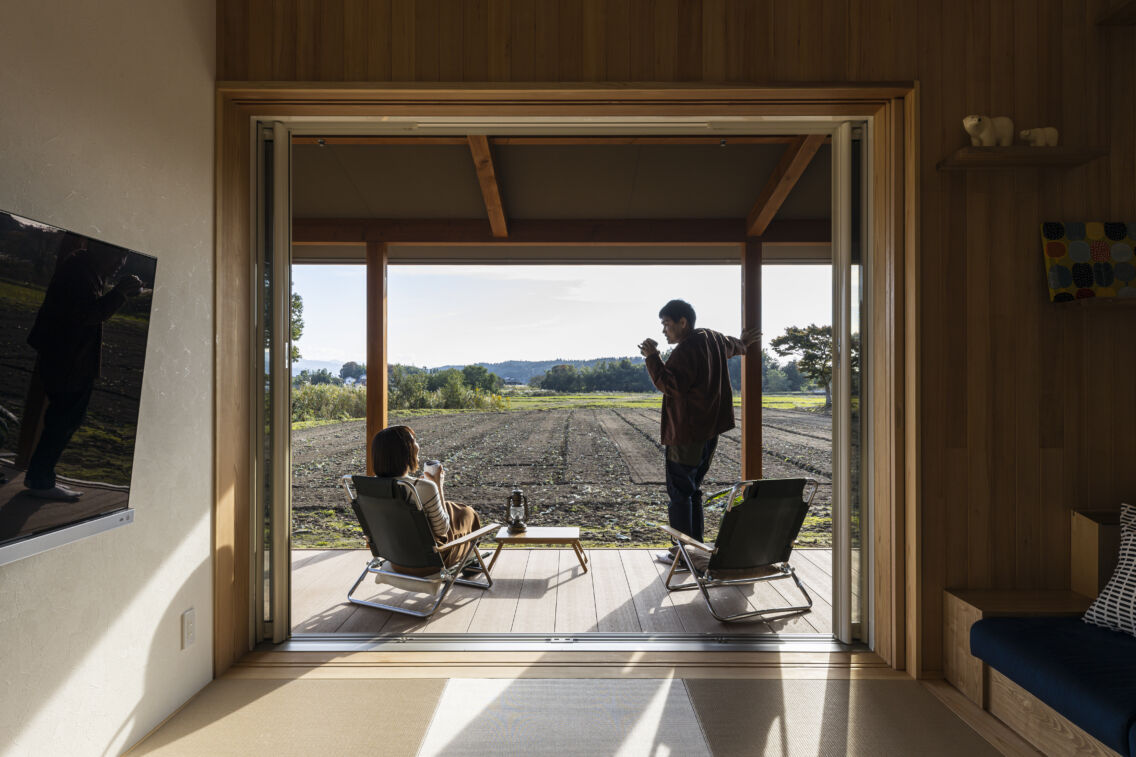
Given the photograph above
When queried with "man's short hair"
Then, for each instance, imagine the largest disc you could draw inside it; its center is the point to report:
(676, 309)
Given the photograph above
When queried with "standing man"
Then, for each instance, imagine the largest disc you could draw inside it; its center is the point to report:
(68, 337)
(698, 405)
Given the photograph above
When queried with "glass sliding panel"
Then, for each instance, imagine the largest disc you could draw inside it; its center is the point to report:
(280, 520)
(841, 381)
(262, 386)
(272, 400)
(856, 481)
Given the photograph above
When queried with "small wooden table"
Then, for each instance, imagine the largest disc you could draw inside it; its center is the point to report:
(542, 535)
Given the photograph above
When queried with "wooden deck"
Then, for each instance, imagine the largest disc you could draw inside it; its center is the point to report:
(545, 591)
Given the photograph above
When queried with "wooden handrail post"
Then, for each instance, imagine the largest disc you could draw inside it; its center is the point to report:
(376, 344)
(751, 363)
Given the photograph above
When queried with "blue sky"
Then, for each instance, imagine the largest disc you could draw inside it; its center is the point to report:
(443, 315)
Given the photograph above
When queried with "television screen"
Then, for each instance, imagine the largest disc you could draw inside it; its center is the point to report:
(74, 318)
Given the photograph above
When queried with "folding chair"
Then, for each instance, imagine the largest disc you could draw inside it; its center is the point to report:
(754, 542)
(398, 532)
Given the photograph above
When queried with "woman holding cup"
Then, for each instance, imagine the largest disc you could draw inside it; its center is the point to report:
(395, 453)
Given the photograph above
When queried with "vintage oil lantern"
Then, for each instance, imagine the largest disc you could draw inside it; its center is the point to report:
(518, 511)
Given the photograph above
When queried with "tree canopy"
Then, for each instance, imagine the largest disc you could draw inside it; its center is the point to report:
(297, 329)
(352, 370)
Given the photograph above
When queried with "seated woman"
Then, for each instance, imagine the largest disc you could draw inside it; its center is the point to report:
(395, 452)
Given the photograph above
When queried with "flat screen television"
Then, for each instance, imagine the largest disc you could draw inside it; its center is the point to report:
(74, 320)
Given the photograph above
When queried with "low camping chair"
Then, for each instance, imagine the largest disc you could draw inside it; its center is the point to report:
(754, 542)
(398, 532)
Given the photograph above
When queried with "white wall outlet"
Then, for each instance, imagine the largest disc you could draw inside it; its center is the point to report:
(188, 628)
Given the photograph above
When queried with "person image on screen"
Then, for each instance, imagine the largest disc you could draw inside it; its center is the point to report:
(67, 336)
(698, 405)
(395, 454)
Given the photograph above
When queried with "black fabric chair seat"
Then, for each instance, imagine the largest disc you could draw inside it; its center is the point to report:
(398, 533)
(754, 543)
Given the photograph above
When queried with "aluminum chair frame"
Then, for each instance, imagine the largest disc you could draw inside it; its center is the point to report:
(703, 581)
(444, 580)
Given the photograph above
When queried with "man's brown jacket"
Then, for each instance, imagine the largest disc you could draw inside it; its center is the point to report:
(698, 402)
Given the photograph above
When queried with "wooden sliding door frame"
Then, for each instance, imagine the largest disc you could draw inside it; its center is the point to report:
(893, 470)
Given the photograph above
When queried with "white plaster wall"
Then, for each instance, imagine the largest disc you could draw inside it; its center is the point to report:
(106, 128)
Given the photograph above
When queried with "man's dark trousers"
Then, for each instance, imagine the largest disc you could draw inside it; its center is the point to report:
(64, 415)
(684, 486)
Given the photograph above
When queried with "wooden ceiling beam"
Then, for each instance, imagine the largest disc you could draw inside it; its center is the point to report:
(789, 170)
(575, 141)
(377, 140)
(722, 141)
(487, 178)
(645, 231)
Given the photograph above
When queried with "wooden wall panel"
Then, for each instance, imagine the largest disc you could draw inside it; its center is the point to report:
(1021, 407)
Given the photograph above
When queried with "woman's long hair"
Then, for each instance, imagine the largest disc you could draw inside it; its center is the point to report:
(393, 451)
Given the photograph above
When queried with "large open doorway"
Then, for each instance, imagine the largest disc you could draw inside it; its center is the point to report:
(883, 107)
(703, 181)
(579, 434)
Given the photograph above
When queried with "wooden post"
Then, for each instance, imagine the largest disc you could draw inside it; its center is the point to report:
(751, 363)
(376, 344)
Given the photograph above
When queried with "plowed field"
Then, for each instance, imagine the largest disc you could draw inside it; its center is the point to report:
(597, 468)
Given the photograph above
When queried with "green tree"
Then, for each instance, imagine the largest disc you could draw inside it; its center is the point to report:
(454, 392)
(324, 376)
(562, 378)
(439, 379)
(297, 324)
(774, 381)
(352, 370)
(795, 382)
(479, 377)
(813, 347)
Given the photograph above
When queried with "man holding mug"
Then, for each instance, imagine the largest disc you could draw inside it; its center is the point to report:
(698, 405)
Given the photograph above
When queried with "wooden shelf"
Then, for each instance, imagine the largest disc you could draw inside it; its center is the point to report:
(1018, 156)
(1121, 14)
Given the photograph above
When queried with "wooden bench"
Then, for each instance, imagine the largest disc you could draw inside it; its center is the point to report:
(1094, 544)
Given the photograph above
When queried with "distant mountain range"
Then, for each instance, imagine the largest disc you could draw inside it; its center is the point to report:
(332, 366)
(518, 370)
(523, 370)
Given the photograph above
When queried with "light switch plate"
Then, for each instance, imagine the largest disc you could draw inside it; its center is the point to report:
(188, 628)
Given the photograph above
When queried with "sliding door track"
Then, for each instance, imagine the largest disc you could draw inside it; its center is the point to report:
(580, 642)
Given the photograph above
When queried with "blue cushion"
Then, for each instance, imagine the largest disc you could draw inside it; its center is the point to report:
(1086, 673)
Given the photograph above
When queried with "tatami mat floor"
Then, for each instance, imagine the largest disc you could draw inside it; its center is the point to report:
(238, 715)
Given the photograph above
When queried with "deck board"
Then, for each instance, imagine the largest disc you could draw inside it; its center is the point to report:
(575, 597)
(496, 610)
(536, 609)
(615, 608)
(545, 591)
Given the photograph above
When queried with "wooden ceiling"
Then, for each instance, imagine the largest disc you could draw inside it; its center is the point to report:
(555, 191)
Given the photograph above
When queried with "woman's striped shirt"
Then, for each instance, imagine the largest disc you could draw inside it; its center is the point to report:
(432, 505)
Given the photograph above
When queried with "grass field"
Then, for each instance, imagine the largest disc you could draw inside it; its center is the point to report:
(523, 399)
(530, 400)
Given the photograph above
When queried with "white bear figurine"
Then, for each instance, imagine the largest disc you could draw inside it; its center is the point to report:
(985, 131)
(1042, 136)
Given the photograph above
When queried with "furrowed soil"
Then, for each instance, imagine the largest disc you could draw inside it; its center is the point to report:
(597, 468)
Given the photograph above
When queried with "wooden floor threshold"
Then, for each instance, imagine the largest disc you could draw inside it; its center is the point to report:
(997, 733)
(459, 664)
